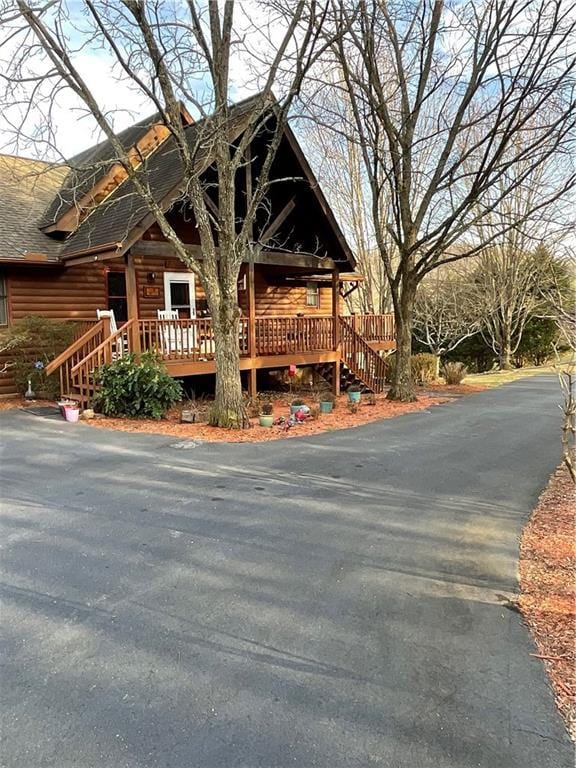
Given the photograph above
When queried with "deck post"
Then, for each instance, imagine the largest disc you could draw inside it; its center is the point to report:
(252, 390)
(132, 300)
(336, 323)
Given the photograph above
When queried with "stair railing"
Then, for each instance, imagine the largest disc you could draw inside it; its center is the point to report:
(72, 355)
(361, 359)
(112, 348)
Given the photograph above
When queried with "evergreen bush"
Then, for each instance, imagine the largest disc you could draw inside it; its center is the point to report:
(138, 388)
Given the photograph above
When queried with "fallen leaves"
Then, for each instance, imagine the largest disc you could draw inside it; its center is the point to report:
(340, 418)
(548, 584)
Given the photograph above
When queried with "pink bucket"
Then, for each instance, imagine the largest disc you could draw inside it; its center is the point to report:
(71, 414)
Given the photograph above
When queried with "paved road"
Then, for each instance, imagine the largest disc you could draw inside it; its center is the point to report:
(336, 601)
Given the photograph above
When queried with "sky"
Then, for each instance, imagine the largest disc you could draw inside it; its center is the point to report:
(74, 129)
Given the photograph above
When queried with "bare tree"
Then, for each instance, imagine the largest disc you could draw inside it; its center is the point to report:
(166, 52)
(338, 162)
(443, 314)
(561, 301)
(445, 104)
(506, 292)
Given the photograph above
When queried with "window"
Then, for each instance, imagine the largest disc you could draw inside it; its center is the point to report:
(117, 301)
(3, 301)
(312, 294)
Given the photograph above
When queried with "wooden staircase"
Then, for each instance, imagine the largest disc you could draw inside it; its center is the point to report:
(77, 364)
(360, 365)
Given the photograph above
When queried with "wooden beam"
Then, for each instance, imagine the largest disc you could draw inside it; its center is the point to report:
(164, 250)
(191, 368)
(132, 301)
(211, 205)
(251, 310)
(248, 171)
(336, 307)
(276, 223)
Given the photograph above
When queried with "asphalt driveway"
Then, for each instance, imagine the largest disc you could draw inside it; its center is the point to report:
(337, 601)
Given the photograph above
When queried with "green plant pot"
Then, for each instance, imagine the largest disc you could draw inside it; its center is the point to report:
(326, 406)
(295, 408)
(354, 397)
(266, 421)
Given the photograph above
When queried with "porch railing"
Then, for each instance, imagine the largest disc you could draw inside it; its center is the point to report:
(89, 336)
(112, 348)
(288, 335)
(373, 327)
(191, 339)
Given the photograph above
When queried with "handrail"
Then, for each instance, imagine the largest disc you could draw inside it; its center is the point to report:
(361, 359)
(108, 343)
(81, 341)
(113, 347)
(373, 327)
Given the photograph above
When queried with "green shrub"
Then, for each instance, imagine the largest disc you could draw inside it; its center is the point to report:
(454, 373)
(33, 342)
(537, 344)
(140, 389)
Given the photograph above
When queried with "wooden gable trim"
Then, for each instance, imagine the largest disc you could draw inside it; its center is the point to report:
(162, 249)
(167, 201)
(156, 135)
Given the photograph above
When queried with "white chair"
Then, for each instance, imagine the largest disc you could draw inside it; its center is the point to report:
(103, 314)
(177, 338)
(121, 345)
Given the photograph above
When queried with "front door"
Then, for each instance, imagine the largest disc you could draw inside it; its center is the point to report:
(180, 294)
(116, 290)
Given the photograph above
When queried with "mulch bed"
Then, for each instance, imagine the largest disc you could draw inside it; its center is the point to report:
(548, 585)
(340, 418)
(8, 403)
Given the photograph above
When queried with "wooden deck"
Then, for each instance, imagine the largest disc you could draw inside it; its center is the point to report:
(187, 346)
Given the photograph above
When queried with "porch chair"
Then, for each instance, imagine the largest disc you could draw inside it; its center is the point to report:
(175, 338)
(121, 345)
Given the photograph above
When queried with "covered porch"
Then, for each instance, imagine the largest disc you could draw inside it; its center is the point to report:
(165, 312)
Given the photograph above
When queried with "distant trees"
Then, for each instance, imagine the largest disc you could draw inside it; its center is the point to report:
(444, 107)
(508, 290)
(443, 315)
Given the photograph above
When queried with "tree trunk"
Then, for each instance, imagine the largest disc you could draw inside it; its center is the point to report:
(402, 385)
(505, 352)
(437, 366)
(228, 410)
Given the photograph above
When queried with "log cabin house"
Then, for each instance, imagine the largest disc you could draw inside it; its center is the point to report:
(75, 240)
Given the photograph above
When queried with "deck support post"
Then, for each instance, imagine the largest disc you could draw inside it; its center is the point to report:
(132, 300)
(336, 322)
(252, 390)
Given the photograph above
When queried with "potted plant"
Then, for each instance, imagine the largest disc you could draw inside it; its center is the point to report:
(296, 405)
(266, 419)
(354, 393)
(326, 402)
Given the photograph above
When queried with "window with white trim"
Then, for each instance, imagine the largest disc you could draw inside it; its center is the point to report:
(3, 301)
(312, 294)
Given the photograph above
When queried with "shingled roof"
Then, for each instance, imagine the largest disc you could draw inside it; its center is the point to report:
(38, 193)
(114, 218)
(27, 187)
(89, 166)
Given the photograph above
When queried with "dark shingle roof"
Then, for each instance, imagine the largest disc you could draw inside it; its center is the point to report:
(26, 188)
(89, 166)
(116, 216)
